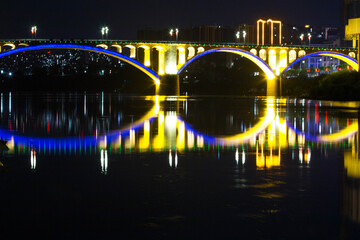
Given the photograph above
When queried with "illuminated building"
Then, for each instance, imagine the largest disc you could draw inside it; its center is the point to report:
(269, 32)
(350, 22)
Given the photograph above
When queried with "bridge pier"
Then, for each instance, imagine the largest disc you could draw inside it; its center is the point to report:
(169, 85)
(272, 87)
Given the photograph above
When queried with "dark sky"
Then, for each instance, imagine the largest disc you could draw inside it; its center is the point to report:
(83, 19)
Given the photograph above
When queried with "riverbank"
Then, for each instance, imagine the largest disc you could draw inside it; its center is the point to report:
(339, 86)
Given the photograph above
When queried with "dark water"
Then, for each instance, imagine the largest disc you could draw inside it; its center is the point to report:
(106, 165)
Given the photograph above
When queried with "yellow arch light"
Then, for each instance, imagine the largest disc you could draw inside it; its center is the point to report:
(154, 78)
(102, 46)
(255, 130)
(263, 66)
(352, 62)
(341, 135)
(118, 47)
(344, 58)
(10, 45)
(132, 50)
(153, 112)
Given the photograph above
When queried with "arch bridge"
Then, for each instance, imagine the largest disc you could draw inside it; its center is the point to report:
(164, 61)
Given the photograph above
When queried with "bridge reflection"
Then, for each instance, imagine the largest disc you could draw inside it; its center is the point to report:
(266, 136)
(164, 130)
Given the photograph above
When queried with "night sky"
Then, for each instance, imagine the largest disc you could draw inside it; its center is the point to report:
(83, 19)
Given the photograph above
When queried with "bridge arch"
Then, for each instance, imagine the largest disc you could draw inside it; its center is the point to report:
(267, 70)
(292, 56)
(132, 50)
(349, 60)
(200, 50)
(352, 54)
(158, 56)
(301, 53)
(262, 54)
(118, 47)
(191, 52)
(253, 51)
(10, 45)
(146, 54)
(181, 55)
(132, 62)
(104, 46)
(23, 45)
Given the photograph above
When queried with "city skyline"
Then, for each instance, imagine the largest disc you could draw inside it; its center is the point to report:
(80, 20)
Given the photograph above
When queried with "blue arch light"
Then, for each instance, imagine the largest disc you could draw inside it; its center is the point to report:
(131, 61)
(258, 61)
(349, 60)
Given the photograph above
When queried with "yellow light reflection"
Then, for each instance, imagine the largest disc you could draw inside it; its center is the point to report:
(144, 142)
(352, 164)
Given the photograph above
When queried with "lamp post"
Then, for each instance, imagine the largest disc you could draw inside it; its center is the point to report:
(104, 32)
(33, 31)
(244, 35)
(302, 38)
(309, 37)
(238, 36)
(171, 33)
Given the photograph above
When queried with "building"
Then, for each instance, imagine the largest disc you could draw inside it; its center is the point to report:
(350, 22)
(269, 32)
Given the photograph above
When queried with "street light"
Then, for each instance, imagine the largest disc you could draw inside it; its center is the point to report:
(244, 35)
(238, 36)
(33, 31)
(104, 32)
(309, 37)
(177, 34)
(302, 38)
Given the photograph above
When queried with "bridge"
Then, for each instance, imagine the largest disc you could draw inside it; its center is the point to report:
(164, 61)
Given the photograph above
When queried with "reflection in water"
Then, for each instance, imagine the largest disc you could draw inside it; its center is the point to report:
(104, 161)
(264, 133)
(351, 195)
(33, 159)
(173, 162)
(2, 104)
(160, 129)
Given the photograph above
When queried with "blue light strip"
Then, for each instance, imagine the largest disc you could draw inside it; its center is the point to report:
(53, 142)
(223, 50)
(131, 61)
(319, 54)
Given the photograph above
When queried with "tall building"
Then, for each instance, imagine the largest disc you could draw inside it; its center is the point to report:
(269, 32)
